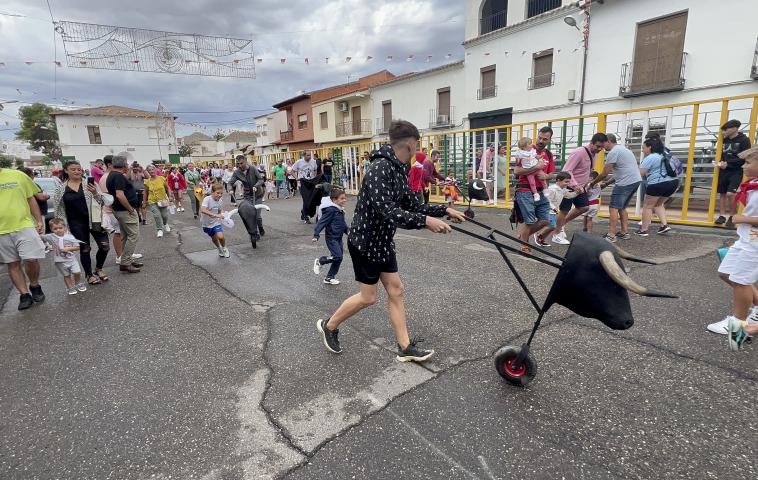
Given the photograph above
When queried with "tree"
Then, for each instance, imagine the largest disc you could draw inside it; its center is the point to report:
(218, 136)
(6, 162)
(186, 150)
(19, 163)
(38, 128)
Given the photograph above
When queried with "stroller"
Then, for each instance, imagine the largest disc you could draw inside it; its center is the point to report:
(589, 261)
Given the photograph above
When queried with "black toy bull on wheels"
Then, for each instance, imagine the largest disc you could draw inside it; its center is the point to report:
(591, 265)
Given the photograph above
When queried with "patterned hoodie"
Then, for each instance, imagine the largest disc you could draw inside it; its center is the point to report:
(386, 202)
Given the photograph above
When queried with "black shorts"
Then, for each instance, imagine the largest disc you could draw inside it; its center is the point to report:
(663, 189)
(729, 181)
(580, 201)
(367, 271)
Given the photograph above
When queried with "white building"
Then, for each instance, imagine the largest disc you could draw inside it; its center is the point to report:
(433, 100)
(18, 149)
(90, 133)
(267, 128)
(524, 61)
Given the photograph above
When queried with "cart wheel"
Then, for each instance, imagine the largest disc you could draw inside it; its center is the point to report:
(469, 213)
(504, 359)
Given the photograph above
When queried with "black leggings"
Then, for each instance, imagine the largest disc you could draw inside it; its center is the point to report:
(82, 232)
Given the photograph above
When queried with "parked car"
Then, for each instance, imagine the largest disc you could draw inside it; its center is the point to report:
(48, 185)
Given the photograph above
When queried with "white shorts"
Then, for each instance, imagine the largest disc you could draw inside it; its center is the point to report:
(69, 267)
(741, 264)
(592, 212)
(110, 223)
(22, 245)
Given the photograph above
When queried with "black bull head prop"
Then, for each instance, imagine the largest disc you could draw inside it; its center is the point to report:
(591, 279)
(592, 282)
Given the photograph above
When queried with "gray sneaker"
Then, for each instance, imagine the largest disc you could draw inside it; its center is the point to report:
(73, 291)
(624, 236)
(81, 287)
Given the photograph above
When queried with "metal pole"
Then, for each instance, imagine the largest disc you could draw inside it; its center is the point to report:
(586, 41)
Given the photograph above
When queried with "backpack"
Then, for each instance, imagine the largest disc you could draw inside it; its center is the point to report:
(674, 166)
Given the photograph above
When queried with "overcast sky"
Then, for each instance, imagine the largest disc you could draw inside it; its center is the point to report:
(281, 29)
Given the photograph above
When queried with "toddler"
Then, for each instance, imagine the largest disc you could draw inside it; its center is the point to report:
(526, 156)
(593, 194)
(452, 189)
(64, 245)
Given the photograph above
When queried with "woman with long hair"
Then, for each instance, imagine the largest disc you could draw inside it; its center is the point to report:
(662, 182)
(79, 203)
(157, 200)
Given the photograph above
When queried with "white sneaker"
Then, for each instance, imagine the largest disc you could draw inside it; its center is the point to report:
(722, 327)
(167, 228)
(316, 267)
(159, 233)
(118, 260)
(491, 202)
(136, 256)
(331, 281)
(220, 252)
(226, 252)
(560, 240)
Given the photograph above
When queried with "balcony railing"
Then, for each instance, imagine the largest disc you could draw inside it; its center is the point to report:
(381, 127)
(541, 81)
(439, 118)
(286, 136)
(492, 22)
(538, 7)
(754, 70)
(355, 127)
(486, 92)
(658, 75)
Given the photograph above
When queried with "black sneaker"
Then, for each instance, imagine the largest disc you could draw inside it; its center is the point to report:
(25, 301)
(331, 342)
(261, 231)
(664, 229)
(412, 353)
(720, 220)
(37, 294)
(729, 223)
(624, 236)
(308, 220)
(641, 233)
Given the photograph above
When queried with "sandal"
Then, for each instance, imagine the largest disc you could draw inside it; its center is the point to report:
(101, 275)
(94, 280)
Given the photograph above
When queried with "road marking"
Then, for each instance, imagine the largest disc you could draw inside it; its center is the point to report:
(486, 467)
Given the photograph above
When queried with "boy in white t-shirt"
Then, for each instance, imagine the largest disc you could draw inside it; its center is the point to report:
(740, 266)
(212, 212)
(555, 194)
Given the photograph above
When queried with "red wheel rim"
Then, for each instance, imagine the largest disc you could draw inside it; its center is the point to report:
(511, 370)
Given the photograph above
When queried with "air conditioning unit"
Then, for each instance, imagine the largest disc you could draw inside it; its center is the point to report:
(342, 106)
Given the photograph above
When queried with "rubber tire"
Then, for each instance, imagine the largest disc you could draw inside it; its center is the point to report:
(510, 353)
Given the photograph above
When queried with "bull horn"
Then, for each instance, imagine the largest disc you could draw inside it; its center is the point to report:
(614, 270)
(633, 258)
(260, 206)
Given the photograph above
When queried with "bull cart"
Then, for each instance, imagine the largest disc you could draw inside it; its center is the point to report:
(591, 266)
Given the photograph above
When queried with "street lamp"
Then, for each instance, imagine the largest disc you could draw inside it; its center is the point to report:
(571, 22)
(5, 103)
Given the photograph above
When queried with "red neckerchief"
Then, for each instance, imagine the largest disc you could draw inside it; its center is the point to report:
(745, 188)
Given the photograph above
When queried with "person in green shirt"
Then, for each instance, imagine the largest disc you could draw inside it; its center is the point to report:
(280, 176)
(192, 176)
(21, 224)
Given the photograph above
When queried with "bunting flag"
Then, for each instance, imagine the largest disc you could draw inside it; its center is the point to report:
(389, 58)
(369, 58)
(282, 60)
(347, 60)
(428, 58)
(260, 60)
(448, 55)
(28, 63)
(58, 63)
(410, 57)
(307, 62)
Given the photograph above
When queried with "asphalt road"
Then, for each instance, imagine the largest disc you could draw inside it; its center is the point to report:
(209, 368)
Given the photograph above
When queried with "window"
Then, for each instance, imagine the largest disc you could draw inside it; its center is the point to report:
(488, 88)
(323, 120)
(386, 115)
(542, 69)
(302, 121)
(537, 7)
(494, 16)
(94, 135)
(659, 55)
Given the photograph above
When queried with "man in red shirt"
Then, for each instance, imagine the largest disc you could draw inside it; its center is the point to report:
(536, 214)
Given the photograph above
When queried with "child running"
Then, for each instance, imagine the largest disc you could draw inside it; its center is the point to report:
(452, 190)
(593, 193)
(527, 154)
(740, 266)
(555, 194)
(64, 245)
(212, 210)
(332, 222)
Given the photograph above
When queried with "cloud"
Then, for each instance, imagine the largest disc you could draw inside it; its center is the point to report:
(294, 30)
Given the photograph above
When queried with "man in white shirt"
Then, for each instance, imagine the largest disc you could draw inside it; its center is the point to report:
(305, 170)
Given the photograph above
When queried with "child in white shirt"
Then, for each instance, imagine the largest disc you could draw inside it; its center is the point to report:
(526, 156)
(555, 194)
(64, 245)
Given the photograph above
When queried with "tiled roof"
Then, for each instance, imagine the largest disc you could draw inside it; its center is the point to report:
(109, 111)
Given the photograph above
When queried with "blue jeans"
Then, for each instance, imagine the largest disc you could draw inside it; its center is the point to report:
(532, 211)
(622, 194)
(281, 185)
(334, 244)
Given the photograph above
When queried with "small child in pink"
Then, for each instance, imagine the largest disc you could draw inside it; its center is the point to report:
(526, 156)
